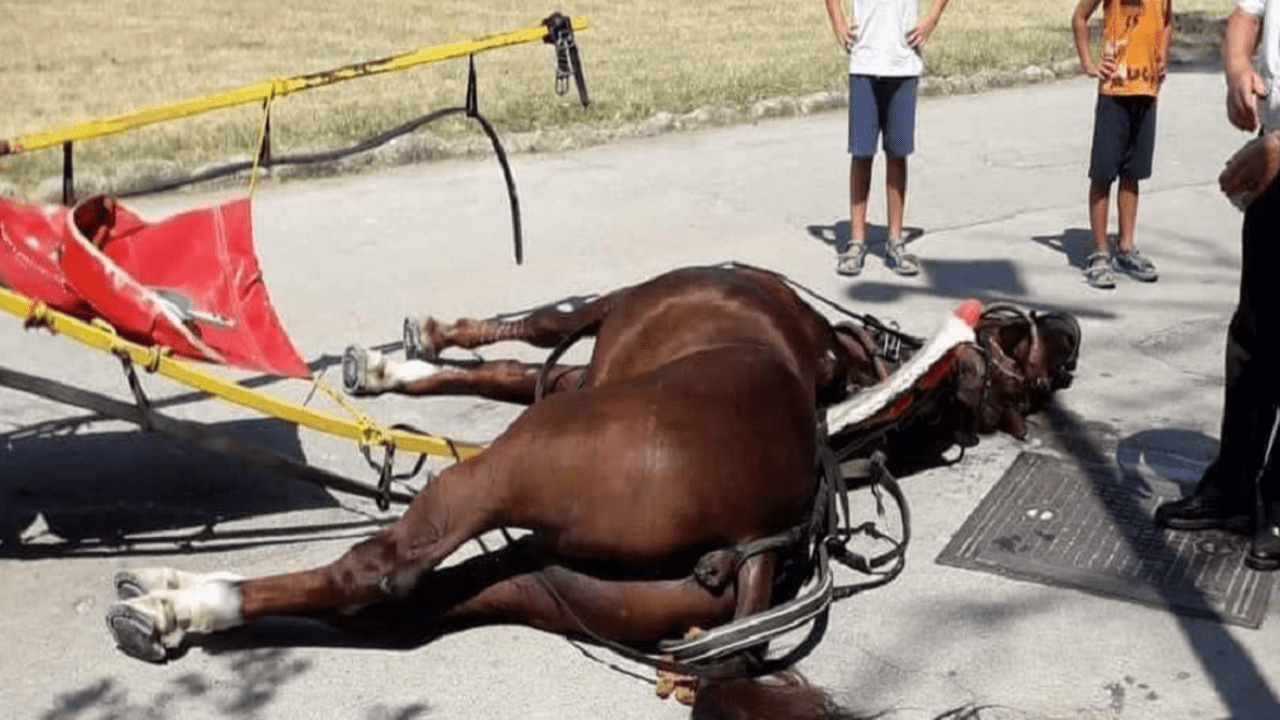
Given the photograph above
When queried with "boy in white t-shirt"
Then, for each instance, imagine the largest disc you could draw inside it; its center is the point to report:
(884, 65)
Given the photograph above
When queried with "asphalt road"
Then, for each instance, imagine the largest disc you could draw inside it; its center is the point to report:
(998, 188)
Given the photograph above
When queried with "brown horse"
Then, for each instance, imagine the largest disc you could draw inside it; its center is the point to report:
(694, 431)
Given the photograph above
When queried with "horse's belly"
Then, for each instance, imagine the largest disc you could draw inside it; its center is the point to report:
(713, 452)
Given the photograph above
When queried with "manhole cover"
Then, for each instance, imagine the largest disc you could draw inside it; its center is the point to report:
(1051, 521)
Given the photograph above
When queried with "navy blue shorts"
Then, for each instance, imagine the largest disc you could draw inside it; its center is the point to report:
(882, 104)
(1124, 138)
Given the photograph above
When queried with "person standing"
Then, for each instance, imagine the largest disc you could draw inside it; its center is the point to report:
(1135, 54)
(884, 45)
(1240, 490)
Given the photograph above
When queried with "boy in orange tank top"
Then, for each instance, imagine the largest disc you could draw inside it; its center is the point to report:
(1135, 55)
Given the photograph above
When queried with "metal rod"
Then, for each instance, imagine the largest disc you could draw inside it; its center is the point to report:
(68, 176)
(193, 433)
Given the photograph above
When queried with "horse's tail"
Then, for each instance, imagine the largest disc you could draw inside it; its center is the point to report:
(785, 696)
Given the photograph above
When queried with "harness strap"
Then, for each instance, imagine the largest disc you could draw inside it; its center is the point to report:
(723, 652)
(540, 388)
(896, 555)
(830, 543)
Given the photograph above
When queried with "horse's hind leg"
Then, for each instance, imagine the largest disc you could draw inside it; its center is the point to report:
(509, 586)
(547, 327)
(369, 372)
(454, 508)
(519, 585)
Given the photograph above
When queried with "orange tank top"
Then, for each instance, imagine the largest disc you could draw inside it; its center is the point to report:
(1137, 28)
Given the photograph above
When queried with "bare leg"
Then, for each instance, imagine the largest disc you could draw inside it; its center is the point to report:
(859, 190)
(895, 186)
(1126, 212)
(1099, 200)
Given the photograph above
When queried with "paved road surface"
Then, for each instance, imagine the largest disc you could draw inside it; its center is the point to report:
(998, 186)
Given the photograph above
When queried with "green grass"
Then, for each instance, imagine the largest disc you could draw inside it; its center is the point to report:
(73, 60)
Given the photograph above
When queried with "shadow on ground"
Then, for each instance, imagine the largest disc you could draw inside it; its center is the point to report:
(248, 684)
(1075, 243)
(62, 490)
(837, 236)
(1238, 680)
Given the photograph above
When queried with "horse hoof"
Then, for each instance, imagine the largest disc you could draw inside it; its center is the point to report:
(129, 585)
(355, 370)
(418, 343)
(135, 633)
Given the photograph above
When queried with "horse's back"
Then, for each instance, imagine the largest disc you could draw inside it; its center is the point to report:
(691, 310)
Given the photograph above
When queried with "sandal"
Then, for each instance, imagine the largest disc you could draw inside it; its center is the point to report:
(1137, 265)
(899, 260)
(850, 261)
(1097, 271)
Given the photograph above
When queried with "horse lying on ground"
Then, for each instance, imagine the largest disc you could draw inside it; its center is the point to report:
(697, 427)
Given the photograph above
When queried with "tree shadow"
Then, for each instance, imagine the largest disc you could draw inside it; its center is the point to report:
(246, 686)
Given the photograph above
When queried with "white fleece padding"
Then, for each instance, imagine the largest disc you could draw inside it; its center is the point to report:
(958, 329)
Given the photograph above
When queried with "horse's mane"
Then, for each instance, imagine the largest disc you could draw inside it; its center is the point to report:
(785, 696)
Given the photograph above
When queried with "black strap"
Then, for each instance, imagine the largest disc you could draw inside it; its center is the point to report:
(539, 388)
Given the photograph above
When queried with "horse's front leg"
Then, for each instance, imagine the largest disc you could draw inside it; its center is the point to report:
(755, 585)
(369, 372)
(157, 608)
(425, 337)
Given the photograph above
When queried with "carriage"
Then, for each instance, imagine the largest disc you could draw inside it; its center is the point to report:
(684, 493)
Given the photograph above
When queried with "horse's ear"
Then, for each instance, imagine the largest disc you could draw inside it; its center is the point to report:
(1060, 337)
(865, 368)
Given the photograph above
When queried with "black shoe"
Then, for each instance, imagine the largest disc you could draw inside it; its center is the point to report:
(1196, 512)
(1264, 551)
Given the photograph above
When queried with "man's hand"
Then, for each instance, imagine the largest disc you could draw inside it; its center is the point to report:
(1243, 91)
(1250, 171)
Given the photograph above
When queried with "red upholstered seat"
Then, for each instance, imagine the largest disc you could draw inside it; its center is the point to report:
(190, 281)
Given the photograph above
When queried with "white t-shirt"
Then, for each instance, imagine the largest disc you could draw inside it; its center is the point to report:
(881, 47)
(1267, 61)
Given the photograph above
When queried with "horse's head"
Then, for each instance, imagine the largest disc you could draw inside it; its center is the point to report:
(1018, 361)
(984, 372)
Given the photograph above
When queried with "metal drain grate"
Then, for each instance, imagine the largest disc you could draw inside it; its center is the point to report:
(1051, 521)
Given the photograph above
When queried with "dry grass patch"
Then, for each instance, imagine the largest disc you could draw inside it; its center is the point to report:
(72, 60)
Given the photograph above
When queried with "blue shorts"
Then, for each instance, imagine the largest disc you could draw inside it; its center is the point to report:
(1124, 138)
(882, 104)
